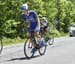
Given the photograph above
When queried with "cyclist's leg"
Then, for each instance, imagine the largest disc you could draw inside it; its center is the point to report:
(37, 36)
(41, 43)
(46, 28)
(41, 39)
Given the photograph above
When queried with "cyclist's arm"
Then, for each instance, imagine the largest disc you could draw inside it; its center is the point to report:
(24, 19)
(37, 18)
(25, 24)
(38, 22)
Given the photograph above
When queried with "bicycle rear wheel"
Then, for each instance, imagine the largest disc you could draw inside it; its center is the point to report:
(51, 39)
(42, 48)
(28, 46)
(1, 45)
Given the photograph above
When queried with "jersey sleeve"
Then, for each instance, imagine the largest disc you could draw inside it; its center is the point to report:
(34, 13)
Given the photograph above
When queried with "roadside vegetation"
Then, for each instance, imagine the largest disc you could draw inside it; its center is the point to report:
(11, 22)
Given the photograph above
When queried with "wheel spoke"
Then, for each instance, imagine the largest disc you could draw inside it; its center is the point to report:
(28, 47)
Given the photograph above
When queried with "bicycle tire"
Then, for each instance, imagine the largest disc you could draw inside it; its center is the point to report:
(44, 50)
(26, 45)
(51, 39)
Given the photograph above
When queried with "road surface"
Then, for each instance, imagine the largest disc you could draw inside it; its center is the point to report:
(61, 52)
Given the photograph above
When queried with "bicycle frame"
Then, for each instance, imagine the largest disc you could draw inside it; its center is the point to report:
(31, 36)
(32, 44)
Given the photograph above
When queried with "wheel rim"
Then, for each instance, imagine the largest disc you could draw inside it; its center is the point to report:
(42, 47)
(51, 40)
(42, 50)
(28, 49)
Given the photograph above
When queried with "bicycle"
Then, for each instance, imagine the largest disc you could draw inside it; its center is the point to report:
(1, 44)
(31, 43)
(49, 36)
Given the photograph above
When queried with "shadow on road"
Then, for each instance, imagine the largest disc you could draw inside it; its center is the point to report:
(23, 58)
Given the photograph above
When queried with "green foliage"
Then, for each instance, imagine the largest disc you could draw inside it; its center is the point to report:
(11, 22)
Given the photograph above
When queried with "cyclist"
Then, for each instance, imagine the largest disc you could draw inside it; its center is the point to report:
(32, 17)
(44, 24)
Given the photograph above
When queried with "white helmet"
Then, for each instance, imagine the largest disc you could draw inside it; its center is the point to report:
(44, 18)
(44, 21)
(24, 7)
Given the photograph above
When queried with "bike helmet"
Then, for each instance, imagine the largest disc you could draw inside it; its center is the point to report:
(44, 21)
(24, 7)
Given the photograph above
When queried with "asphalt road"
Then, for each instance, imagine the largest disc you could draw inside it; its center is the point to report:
(61, 52)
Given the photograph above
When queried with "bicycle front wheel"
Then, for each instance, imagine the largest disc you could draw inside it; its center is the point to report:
(28, 46)
(1, 45)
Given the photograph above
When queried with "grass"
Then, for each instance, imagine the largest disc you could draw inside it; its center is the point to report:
(8, 41)
(61, 35)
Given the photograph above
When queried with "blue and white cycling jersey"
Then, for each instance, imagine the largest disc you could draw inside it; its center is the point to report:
(32, 18)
